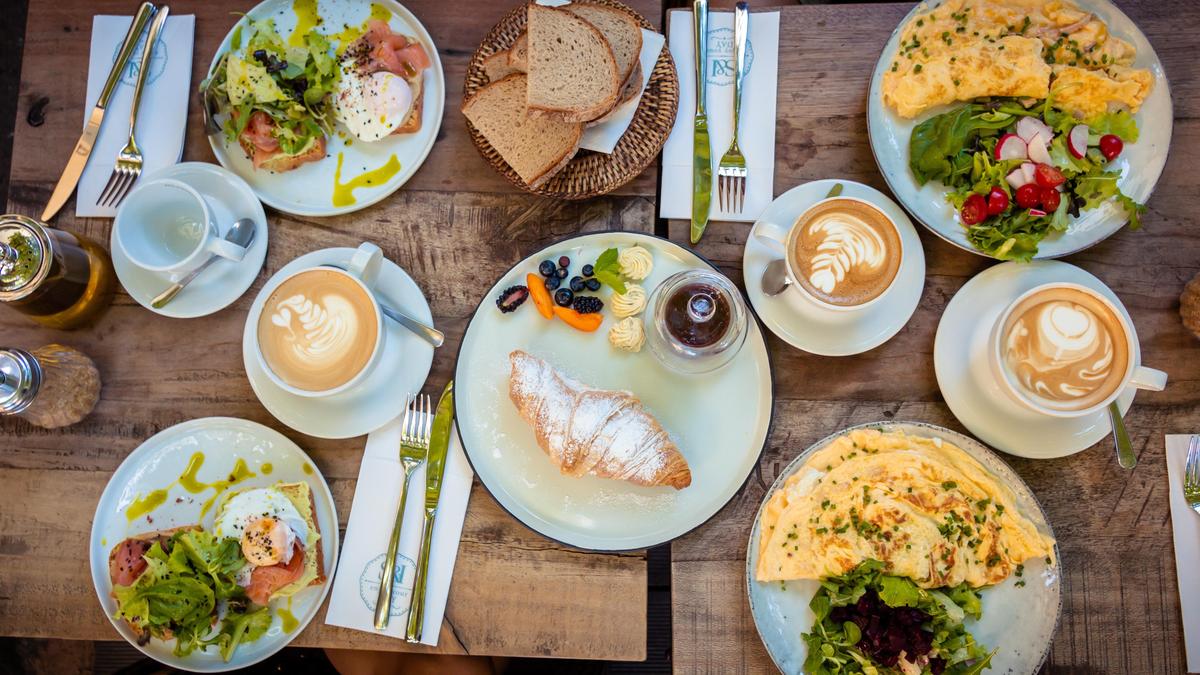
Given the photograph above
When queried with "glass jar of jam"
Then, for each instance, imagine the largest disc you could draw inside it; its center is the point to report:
(56, 278)
(52, 386)
(699, 321)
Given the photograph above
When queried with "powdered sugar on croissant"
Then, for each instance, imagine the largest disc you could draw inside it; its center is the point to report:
(593, 431)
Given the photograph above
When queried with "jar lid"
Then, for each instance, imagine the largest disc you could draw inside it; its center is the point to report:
(20, 379)
(24, 255)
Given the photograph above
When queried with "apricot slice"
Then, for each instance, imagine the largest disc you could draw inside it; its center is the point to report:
(541, 296)
(584, 322)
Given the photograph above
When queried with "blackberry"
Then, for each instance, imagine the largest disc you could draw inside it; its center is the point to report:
(511, 298)
(588, 304)
(552, 283)
(593, 284)
(546, 268)
(563, 297)
(577, 284)
(588, 270)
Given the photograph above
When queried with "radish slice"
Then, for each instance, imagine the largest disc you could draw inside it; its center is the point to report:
(1029, 169)
(1010, 146)
(1077, 141)
(1028, 127)
(1016, 178)
(1038, 151)
(1037, 213)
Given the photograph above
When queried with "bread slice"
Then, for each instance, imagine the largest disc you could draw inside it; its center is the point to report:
(618, 27)
(630, 90)
(518, 55)
(278, 160)
(496, 66)
(572, 70)
(535, 147)
(412, 121)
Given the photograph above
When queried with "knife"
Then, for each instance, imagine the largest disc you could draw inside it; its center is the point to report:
(83, 148)
(701, 152)
(435, 467)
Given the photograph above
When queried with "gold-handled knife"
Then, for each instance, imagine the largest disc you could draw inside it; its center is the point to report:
(435, 468)
(701, 152)
(83, 148)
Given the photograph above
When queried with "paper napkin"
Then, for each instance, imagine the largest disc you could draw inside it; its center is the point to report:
(757, 133)
(604, 137)
(1186, 524)
(372, 514)
(162, 116)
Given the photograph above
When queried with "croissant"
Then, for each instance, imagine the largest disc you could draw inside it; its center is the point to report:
(593, 431)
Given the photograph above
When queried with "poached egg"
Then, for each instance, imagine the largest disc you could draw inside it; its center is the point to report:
(372, 106)
(266, 523)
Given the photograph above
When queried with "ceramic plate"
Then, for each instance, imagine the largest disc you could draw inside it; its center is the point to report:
(965, 377)
(308, 190)
(1140, 164)
(379, 398)
(1018, 622)
(157, 464)
(719, 420)
(225, 281)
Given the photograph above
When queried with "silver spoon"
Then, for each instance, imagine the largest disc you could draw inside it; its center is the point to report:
(775, 278)
(242, 233)
(1125, 456)
(429, 334)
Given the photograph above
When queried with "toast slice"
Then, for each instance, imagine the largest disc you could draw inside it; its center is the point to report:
(571, 66)
(298, 493)
(280, 161)
(412, 122)
(119, 572)
(535, 147)
(621, 30)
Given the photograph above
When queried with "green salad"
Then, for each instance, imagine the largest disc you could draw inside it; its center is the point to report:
(178, 595)
(1017, 173)
(873, 623)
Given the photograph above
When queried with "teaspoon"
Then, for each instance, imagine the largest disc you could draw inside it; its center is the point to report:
(775, 278)
(429, 334)
(1125, 456)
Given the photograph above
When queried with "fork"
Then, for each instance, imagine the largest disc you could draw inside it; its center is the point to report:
(415, 430)
(129, 161)
(731, 172)
(1191, 474)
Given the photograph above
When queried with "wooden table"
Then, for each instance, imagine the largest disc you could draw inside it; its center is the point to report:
(455, 228)
(1121, 606)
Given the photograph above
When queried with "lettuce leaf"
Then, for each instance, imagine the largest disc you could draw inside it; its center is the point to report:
(941, 147)
(1119, 123)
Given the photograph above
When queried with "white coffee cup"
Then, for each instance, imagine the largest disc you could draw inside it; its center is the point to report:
(363, 270)
(781, 239)
(1135, 375)
(166, 226)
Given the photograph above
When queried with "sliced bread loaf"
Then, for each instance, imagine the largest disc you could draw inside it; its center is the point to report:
(535, 147)
(572, 70)
(618, 27)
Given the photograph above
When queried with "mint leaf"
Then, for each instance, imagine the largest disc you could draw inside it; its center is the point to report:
(607, 271)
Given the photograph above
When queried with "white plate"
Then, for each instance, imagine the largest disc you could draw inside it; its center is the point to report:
(719, 420)
(224, 282)
(308, 190)
(1019, 622)
(379, 398)
(889, 134)
(156, 464)
(818, 330)
(965, 378)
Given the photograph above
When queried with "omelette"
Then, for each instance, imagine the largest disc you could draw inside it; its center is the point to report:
(922, 506)
(960, 50)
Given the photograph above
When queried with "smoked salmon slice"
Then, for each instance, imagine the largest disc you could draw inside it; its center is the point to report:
(266, 580)
(127, 564)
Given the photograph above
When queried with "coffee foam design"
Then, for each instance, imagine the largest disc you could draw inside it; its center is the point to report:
(325, 332)
(846, 244)
(1061, 351)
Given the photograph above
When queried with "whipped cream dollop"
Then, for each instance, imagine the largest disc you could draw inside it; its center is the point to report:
(636, 262)
(1061, 351)
(628, 334)
(843, 245)
(629, 303)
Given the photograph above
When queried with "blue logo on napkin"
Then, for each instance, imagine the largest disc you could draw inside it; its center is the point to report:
(368, 583)
(720, 57)
(158, 61)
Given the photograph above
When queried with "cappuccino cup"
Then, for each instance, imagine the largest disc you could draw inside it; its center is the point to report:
(1066, 350)
(166, 226)
(320, 331)
(842, 253)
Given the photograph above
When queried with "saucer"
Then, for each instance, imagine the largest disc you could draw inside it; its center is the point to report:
(379, 398)
(828, 332)
(965, 378)
(224, 281)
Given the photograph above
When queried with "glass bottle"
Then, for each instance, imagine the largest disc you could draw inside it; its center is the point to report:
(56, 278)
(52, 386)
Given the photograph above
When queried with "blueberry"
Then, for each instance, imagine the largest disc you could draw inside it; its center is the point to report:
(546, 268)
(561, 273)
(588, 270)
(552, 283)
(593, 284)
(564, 262)
(577, 284)
(563, 297)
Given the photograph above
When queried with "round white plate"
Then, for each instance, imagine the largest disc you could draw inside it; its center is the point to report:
(379, 398)
(156, 464)
(308, 189)
(719, 420)
(1018, 621)
(818, 330)
(1140, 164)
(214, 289)
(965, 378)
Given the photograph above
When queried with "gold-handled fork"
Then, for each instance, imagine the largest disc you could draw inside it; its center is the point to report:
(415, 429)
(1191, 474)
(731, 172)
(129, 160)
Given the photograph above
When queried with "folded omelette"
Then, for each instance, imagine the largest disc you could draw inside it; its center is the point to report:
(924, 507)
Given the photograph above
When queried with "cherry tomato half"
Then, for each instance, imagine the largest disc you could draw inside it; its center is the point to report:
(1048, 176)
(1111, 145)
(997, 202)
(1029, 196)
(1051, 198)
(974, 210)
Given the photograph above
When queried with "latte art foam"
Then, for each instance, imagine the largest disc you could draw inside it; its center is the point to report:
(845, 252)
(1066, 350)
(844, 245)
(318, 330)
